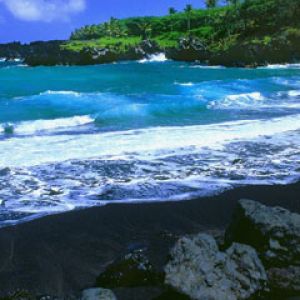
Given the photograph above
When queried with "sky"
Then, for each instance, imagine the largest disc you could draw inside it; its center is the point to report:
(32, 20)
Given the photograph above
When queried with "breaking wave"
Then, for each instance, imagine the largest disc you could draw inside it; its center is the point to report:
(158, 57)
(32, 127)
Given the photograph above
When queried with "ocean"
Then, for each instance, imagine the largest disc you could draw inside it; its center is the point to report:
(154, 130)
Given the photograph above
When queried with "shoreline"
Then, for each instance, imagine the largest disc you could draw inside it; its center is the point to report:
(50, 53)
(148, 59)
(62, 254)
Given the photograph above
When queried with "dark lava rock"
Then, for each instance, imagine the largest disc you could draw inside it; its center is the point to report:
(138, 293)
(253, 55)
(133, 270)
(171, 294)
(149, 47)
(199, 270)
(8, 128)
(189, 49)
(149, 293)
(50, 53)
(273, 231)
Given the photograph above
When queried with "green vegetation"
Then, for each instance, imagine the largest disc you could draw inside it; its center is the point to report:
(120, 43)
(218, 27)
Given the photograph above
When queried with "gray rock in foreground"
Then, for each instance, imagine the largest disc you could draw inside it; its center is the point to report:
(98, 294)
(273, 231)
(199, 270)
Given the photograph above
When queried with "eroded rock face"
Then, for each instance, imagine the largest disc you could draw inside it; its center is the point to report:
(199, 270)
(98, 294)
(273, 231)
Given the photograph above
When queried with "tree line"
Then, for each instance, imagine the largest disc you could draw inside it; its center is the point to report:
(218, 26)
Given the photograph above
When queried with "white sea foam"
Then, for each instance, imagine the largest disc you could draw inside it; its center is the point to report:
(160, 173)
(158, 57)
(184, 83)
(256, 100)
(155, 164)
(238, 101)
(294, 93)
(139, 143)
(70, 93)
(31, 127)
(15, 60)
(281, 66)
(207, 67)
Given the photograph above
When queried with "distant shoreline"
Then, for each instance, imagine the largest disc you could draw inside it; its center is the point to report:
(50, 54)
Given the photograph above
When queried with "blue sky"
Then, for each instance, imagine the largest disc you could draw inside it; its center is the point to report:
(29, 20)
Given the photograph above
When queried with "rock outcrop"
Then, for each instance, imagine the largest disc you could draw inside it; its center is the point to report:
(273, 231)
(253, 55)
(133, 270)
(199, 270)
(189, 49)
(52, 54)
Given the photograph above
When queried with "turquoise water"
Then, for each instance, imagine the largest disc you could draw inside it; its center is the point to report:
(75, 137)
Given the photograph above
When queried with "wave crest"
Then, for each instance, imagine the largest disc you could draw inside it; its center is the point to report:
(31, 127)
(238, 101)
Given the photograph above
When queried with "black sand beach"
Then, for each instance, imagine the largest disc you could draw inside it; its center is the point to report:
(63, 254)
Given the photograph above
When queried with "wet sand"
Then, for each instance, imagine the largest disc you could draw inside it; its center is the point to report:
(63, 254)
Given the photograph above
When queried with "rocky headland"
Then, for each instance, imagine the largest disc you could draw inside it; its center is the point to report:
(189, 50)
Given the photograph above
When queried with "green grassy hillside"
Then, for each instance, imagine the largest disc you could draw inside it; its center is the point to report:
(219, 28)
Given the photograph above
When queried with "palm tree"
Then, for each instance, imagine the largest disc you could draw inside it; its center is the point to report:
(172, 11)
(145, 29)
(211, 3)
(188, 10)
(108, 29)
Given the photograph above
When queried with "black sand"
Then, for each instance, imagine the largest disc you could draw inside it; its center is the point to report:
(62, 254)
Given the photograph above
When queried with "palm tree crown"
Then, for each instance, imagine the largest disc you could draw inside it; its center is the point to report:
(188, 9)
(211, 3)
(172, 11)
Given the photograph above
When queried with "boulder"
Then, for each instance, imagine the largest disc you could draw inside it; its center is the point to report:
(132, 270)
(198, 269)
(273, 231)
(98, 294)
